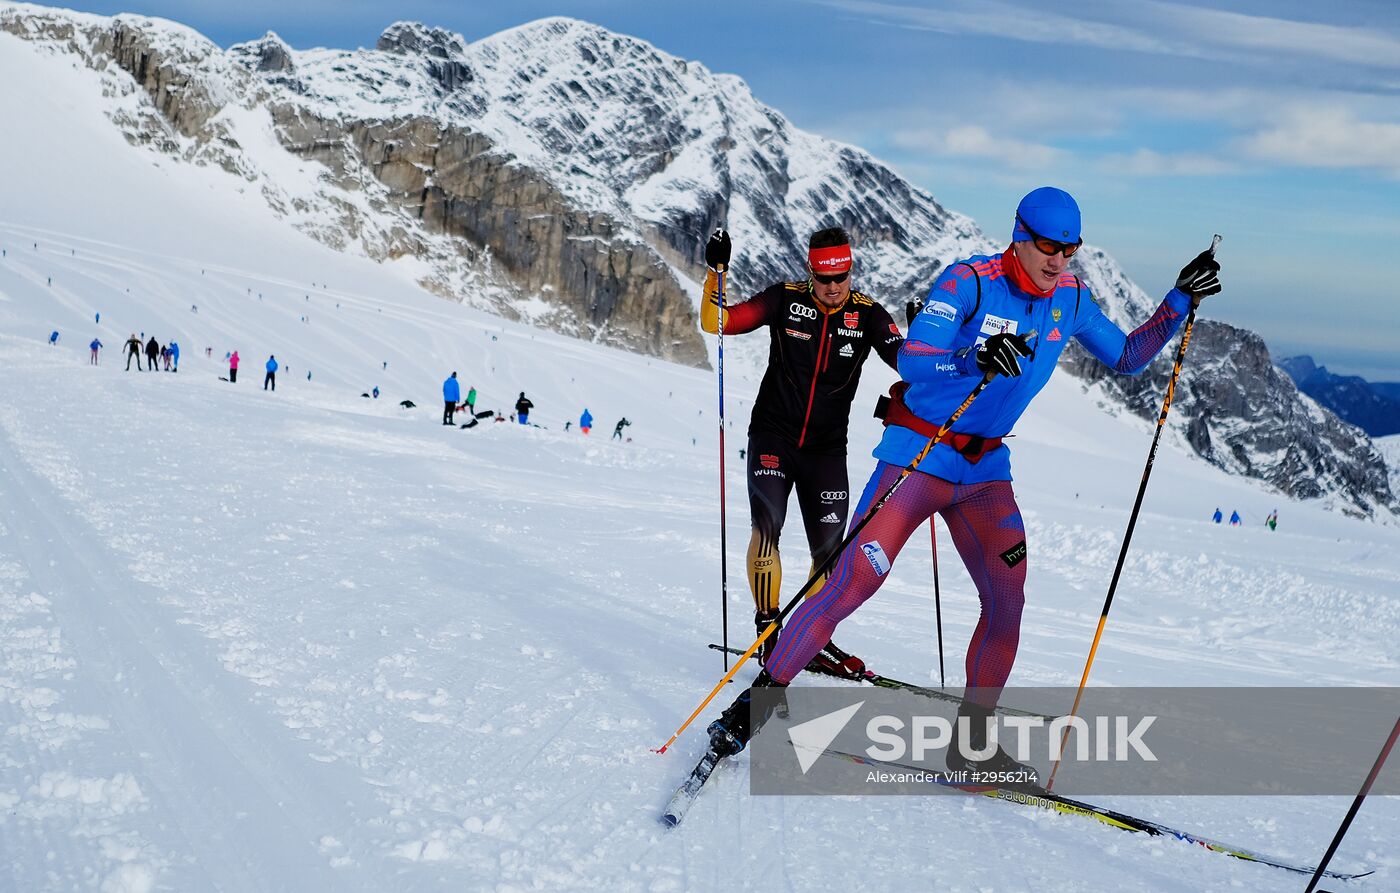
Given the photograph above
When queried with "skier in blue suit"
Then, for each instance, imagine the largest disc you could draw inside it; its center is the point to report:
(976, 322)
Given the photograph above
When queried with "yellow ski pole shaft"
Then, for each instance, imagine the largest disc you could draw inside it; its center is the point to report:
(1132, 523)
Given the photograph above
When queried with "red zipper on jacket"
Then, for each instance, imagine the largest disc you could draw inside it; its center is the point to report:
(816, 370)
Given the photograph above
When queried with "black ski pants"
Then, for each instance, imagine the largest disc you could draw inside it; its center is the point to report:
(776, 466)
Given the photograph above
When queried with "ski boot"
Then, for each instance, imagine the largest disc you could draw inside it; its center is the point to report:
(730, 733)
(761, 619)
(1008, 772)
(833, 661)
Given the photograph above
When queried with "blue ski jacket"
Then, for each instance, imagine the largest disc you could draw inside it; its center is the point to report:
(271, 365)
(585, 420)
(974, 299)
(451, 391)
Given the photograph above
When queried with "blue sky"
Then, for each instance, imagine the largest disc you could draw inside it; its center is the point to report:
(1274, 123)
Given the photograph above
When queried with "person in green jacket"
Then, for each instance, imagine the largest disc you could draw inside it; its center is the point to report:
(471, 402)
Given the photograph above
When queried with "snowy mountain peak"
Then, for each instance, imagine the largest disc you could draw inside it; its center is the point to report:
(416, 38)
(268, 53)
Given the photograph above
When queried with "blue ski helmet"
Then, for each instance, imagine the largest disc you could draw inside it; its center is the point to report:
(1051, 212)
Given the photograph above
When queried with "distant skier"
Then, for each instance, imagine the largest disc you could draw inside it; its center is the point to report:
(95, 346)
(233, 367)
(133, 349)
(471, 401)
(522, 409)
(270, 379)
(152, 352)
(1217, 517)
(974, 326)
(1234, 519)
(585, 421)
(375, 393)
(1272, 520)
(617, 430)
(174, 356)
(451, 393)
(53, 337)
(165, 357)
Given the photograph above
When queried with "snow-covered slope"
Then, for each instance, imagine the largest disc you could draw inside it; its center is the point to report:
(308, 640)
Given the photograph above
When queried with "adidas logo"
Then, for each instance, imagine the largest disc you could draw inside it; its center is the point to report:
(1054, 334)
(831, 519)
(847, 351)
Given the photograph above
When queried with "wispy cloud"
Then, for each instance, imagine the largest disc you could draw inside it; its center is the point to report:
(1328, 138)
(991, 18)
(1372, 46)
(1148, 163)
(972, 141)
(1147, 26)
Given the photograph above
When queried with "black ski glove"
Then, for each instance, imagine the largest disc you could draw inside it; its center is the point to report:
(1200, 279)
(717, 250)
(1001, 352)
(911, 310)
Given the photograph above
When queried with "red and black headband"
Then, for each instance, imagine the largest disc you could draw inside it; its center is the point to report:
(831, 260)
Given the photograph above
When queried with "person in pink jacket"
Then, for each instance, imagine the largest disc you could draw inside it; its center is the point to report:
(233, 366)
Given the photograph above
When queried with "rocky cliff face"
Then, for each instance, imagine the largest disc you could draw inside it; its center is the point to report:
(1372, 407)
(566, 175)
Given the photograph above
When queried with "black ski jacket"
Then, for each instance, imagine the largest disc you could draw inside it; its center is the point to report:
(814, 361)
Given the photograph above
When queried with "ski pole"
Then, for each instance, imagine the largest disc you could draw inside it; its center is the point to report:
(723, 527)
(835, 553)
(1355, 806)
(1132, 521)
(937, 600)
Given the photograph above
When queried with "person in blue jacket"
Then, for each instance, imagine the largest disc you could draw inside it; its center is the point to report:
(95, 346)
(1234, 519)
(174, 356)
(1217, 516)
(271, 378)
(976, 322)
(451, 396)
(585, 421)
(53, 337)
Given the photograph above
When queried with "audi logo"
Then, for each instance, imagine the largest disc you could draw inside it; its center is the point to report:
(799, 310)
(831, 495)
